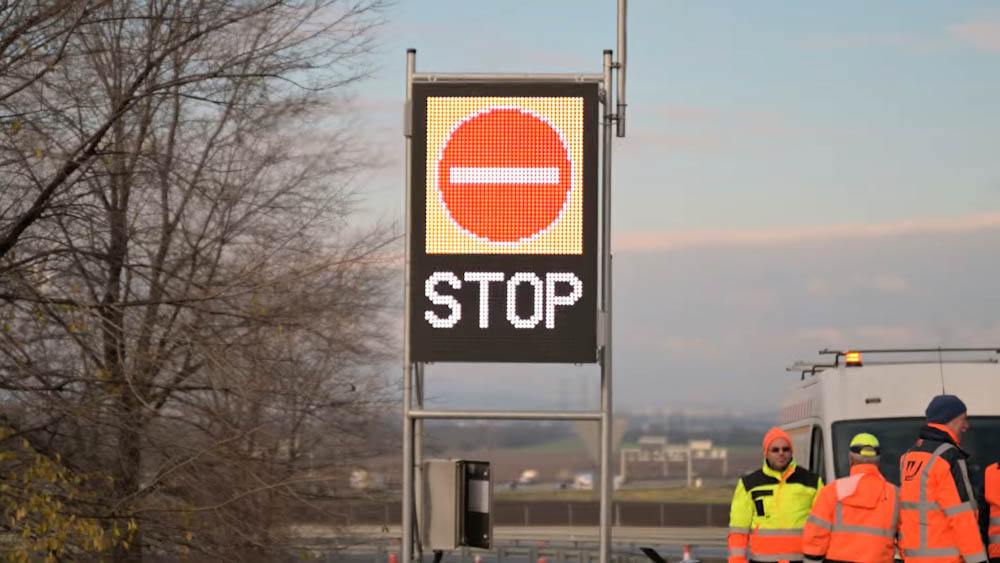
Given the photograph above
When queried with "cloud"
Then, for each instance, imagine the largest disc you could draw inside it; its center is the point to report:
(983, 35)
(858, 40)
(681, 344)
(680, 239)
(658, 140)
(685, 114)
(902, 335)
(887, 283)
(753, 299)
(881, 283)
(708, 129)
(904, 42)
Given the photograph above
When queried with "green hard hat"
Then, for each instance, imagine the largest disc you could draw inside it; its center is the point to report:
(865, 444)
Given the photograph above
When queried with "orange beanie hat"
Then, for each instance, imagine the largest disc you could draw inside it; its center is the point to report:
(773, 434)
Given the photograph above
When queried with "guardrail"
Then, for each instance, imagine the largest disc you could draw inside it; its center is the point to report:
(551, 513)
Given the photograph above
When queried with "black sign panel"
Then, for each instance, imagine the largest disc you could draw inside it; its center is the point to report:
(504, 229)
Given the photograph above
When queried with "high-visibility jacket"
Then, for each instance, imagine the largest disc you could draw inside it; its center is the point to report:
(854, 519)
(768, 512)
(991, 488)
(938, 516)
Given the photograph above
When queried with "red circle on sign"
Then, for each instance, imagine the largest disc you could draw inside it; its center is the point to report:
(504, 175)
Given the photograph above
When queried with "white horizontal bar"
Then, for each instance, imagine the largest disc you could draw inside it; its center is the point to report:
(527, 77)
(503, 175)
(507, 415)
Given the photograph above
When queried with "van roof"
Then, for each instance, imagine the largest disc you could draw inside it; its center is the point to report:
(856, 357)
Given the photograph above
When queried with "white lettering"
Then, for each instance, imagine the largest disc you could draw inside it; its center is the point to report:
(559, 289)
(537, 312)
(484, 279)
(552, 300)
(444, 300)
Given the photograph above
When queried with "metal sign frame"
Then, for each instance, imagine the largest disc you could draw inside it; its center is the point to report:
(413, 372)
(566, 333)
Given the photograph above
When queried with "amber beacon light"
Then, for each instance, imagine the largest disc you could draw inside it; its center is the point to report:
(852, 358)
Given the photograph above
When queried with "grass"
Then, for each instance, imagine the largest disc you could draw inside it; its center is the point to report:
(713, 495)
(567, 444)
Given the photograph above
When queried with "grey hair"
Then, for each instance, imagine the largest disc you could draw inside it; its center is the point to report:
(858, 458)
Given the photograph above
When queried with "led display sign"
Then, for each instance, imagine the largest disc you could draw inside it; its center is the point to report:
(504, 222)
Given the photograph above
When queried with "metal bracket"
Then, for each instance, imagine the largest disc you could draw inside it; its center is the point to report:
(407, 118)
(602, 331)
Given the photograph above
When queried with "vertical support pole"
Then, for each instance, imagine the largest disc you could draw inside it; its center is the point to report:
(407, 492)
(418, 455)
(606, 410)
(689, 468)
(622, 6)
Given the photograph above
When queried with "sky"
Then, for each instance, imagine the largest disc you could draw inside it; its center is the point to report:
(796, 176)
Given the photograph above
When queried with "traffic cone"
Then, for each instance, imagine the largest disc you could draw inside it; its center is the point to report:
(541, 560)
(686, 557)
(392, 558)
(477, 559)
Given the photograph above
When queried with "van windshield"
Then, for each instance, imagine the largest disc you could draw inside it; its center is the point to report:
(896, 435)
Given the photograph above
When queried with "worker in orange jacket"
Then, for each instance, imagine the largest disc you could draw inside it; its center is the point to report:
(855, 518)
(991, 487)
(938, 513)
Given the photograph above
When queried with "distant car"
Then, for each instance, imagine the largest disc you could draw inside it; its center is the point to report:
(528, 476)
(583, 481)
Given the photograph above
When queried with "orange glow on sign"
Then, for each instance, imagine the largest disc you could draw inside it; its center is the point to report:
(853, 358)
(504, 175)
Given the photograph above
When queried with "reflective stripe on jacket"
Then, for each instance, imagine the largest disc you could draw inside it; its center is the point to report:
(854, 519)
(991, 486)
(938, 516)
(768, 512)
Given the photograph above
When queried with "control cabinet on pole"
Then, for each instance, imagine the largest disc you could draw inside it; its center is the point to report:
(458, 504)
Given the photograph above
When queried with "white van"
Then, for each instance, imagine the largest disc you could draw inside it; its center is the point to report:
(885, 392)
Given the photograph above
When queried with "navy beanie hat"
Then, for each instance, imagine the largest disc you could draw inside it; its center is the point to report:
(944, 408)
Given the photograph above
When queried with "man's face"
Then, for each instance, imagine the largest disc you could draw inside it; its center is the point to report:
(779, 454)
(959, 425)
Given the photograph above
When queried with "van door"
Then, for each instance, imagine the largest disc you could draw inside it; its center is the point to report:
(800, 436)
(817, 459)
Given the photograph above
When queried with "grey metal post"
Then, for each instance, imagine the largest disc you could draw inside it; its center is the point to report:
(622, 5)
(689, 466)
(418, 455)
(606, 405)
(407, 492)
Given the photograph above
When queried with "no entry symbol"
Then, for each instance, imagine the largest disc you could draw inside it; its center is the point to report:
(504, 175)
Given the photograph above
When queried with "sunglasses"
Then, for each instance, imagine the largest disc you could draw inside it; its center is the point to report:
(779, 450)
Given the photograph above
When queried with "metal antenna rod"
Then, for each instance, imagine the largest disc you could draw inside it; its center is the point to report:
(622, 42)
(941, 369)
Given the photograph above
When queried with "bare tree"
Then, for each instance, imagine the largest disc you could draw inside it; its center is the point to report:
(187, 308)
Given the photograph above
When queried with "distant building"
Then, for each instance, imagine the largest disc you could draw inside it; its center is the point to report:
(654, 458)
(364, 480)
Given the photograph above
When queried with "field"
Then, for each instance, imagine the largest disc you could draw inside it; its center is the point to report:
(560, 460)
